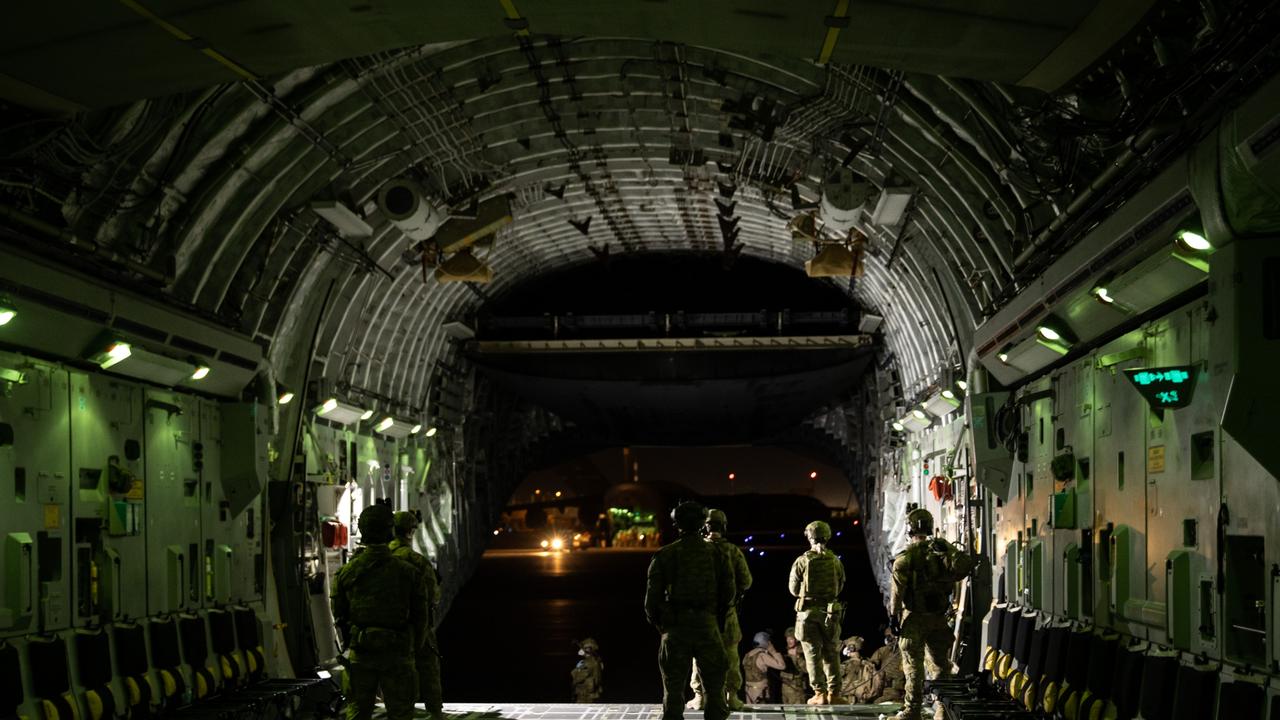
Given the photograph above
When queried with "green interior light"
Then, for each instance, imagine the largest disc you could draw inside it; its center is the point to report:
(329, 406)
(117, 352)
(1195, 241)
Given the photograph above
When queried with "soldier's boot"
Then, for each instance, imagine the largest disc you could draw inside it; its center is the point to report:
(906, 715)
(835, 698)
(696, 703)
(818, 699)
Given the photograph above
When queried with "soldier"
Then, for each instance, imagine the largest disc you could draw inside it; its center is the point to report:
(688, 594)
(859, 681)
(427, 659)
(795, 679)
(717, 524)
(817, 577)
(888, 662)
(756, 665)
(379, 608)
(923, 577)
(588, 674)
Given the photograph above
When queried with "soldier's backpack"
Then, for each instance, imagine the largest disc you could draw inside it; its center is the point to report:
(954, 564)
(820, 576)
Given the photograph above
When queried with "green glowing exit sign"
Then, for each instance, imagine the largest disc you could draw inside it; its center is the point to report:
(1165, 387)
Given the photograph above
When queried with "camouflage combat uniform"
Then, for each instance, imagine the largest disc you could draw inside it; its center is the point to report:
(794, 677)
(588, 679)
(731, 635)
(379, 607)
(890, 680)
(919, 600)
(817, 577)
(427, 658)
(859, 682)
(689, 591)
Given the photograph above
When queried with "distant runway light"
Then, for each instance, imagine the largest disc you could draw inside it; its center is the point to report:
(839, 533)
(761, 553)
(557, 493)
(781, 535)
(813, 475)
(751, 549)
(732, 476)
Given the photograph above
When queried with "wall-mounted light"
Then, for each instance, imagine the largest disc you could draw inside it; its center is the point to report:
(392, 427)
(899, 427)
(416, 429)
(1193, 248)
(431, 431)
(285, 395)
(1101, 295)
(385, 423)
(962, 385)
(366, 415)
(114, 354)
(942, 403)
(110, 352)
(916, 420)
(7, 314)
(201, 372)
(1053, 334)
(339, 411)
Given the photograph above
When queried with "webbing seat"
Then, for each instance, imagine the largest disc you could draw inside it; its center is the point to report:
(52, 684)
(195, 653)
(1197, 688)
(1159, 672)
(1242, 696)
(166, 658)
(93, 668)
(133, 668)
(11, 693)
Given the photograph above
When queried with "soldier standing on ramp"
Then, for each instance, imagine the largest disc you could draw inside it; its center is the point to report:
(379, 607)
(427, 658)
(688, 594)
(717, 524)
(817, 577)
(923, 577)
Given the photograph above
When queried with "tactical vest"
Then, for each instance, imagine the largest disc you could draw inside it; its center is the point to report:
(932, 578)
(692, 575)
(378, 588)
(751, 671)
(820, 581)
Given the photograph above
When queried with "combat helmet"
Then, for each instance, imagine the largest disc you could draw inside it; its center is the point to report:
(406, 522)
(589, 644)
(853, 644)
(717, 520)
(818, 531)
(689, 516)
(919, 522)
(376, 524)
(762, 639)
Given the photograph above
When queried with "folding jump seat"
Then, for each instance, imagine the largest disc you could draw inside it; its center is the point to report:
(1022, 641)
(222, 633)
(166, 658)
(131, 664)
(1197, 688)
(1033, 666)
(195, 652)
(1159, 673)
(93, 668)
(249, 638)
(11, 694)
(1008, 631)
(51, 679)
(1100, 679)
(1056, 639)
(995, 624)
(1242, 696)
(1076, 675)
(1126, 691)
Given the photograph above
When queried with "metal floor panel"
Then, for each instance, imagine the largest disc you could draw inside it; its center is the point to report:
(570, 711)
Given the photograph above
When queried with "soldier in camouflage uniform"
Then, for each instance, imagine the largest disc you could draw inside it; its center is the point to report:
(756, 665)
(817, 578)
(379, 608)
(924, 576)
(859, 681)
(888, 662)
(427, 659)
(688, 593)
(588, 674)
(795, 679)
(717, 524)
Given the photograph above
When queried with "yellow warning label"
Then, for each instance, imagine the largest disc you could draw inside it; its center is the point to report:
(1155, 459)
(52, 517)
(135, 490)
